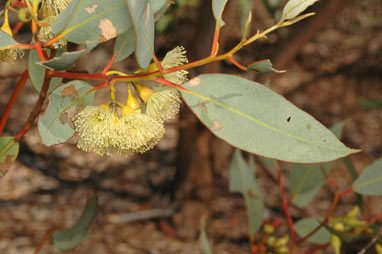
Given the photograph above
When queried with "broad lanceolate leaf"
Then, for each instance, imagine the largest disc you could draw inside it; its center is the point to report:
(304, 182)
(370, 180)
(124, 45)
(294, 7)
(37, 72)
(93, 20)
(141, 14)
(9, 149)
(6, 40)
(70, 238)
(305, 226)
(54, 125)
(217, 9)
(263, 66)
(242, 179)
(258, 120)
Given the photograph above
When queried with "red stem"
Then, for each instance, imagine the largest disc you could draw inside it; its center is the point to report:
(237, 64)
(109, 64)
(12, 99)
(215, 42)
(285, 207)
(318, 248)
(17, 27)
(82, 76)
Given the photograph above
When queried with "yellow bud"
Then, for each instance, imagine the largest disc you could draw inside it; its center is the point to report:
(132, 101)
(378, 248)
(24, 15)
(335, 242)
(126, 110)
(144, 92)
(353, 213)
(283, 250)
(271, 241)
(282, 241)
(339, 227)
(268, 229)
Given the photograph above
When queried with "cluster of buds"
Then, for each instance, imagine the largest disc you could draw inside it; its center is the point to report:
(139, 124)
(349, 224)
(275, 245)
(48, 11)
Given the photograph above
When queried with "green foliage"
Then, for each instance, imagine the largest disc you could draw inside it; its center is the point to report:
(242, 179)
(143, 20)
(295, 7)
(70, 238)
(304, 226)
(263, 66)
(9, 149)
(54, 125)
(204, 245)
(370, 180)
(217, 9)
(269, 126)
(124, 45)
(6, 40)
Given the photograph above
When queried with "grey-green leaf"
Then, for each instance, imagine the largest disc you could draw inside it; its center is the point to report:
(217, 9)
(242, 179)
(304, 182)
(141, 14)
(6, 40)
(93, 20)
(124, 45)
(254, 118)
(54, 125)
(204, 245)
(370, 180)
(294, 7)
(304, 226)
(9, 149)
(37, 72)
(70, 238)
(263, 66)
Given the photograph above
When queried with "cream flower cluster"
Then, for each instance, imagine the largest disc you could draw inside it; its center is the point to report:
(49, 10)
(140, 125)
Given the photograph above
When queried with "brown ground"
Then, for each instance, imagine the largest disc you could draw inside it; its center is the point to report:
(335, 76)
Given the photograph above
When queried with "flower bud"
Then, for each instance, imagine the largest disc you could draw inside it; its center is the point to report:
(268, 229)
(24, 15)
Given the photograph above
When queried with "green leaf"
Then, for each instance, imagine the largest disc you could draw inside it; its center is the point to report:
(304, 226)
(294, 7)
(93, 20)
(70, 238)
(6, 40)
(9, 149)
(66, 60)
(124, 45)
(242, 179)
(263, 66)
(370, 180)
(141, 14)
(157, 5)
(217, 9)
(254, 118)
(37, 72)
(304, 182)
(54, 125)
(204, 245)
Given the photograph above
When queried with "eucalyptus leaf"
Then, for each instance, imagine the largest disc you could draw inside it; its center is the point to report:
(141, 14)
(263, 66)
(70, 238)
(204, 245)
(217, 9)
(54, 125)
(254, 118)
(242, 179)
(124, 45)
(294, 7)
(304, 226)
(9, 149)
(6, 40)
(370, 180)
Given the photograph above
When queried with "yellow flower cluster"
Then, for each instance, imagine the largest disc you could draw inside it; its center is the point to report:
(140, 124)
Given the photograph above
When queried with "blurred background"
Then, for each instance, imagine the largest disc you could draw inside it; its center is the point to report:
(334, 72)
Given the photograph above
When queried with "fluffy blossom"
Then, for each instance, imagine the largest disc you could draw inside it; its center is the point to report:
(57, 6)
(96, 128)
(174, 58)
(137, 133)
(10, 54)
(164, 104)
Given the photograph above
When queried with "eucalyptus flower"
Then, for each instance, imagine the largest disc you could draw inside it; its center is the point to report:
(137, 132)
(96, 127)
(57, 6)
(9, 54)
(174, 58)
